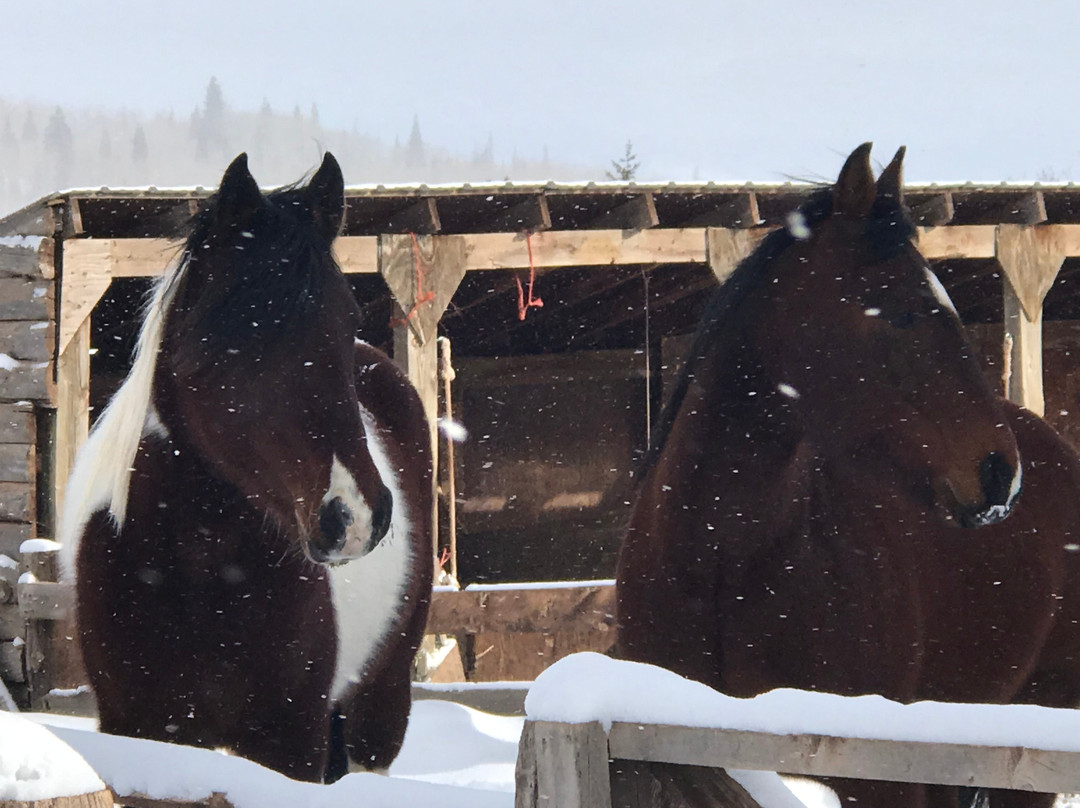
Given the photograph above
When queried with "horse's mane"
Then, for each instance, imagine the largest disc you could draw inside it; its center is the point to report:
(888, 228)
(279, 285)
(103, 466)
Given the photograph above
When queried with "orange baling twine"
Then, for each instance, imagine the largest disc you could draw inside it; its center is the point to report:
(422, 297)
(532, 302)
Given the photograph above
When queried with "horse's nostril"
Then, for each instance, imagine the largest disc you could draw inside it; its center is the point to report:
(381, 515)
(334, 520)
(996, 477)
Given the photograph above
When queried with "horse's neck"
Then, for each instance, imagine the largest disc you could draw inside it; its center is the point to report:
(736, 452)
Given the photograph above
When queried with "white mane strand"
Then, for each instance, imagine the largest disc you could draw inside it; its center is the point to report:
(103, 467)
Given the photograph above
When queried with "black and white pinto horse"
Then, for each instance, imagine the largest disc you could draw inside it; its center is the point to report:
(248, 523)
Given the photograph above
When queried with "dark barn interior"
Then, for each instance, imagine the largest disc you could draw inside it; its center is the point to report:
(557, 403)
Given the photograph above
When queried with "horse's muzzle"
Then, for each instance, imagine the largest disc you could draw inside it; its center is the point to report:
(340, 539)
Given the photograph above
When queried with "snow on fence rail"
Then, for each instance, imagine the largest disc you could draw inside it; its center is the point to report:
(581, 731)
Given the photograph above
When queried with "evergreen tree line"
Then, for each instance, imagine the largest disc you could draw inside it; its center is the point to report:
(47, 148)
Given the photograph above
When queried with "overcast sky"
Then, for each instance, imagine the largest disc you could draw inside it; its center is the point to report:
(980, 89)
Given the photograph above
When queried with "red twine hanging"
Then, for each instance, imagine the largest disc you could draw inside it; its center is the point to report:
(532, 302)
(421, 266)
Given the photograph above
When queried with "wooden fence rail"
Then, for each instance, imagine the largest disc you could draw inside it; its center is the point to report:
(577, 765)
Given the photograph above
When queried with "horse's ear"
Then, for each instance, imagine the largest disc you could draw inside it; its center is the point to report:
(890, 184)
(238, 195)
(855, 191)
(327, 194)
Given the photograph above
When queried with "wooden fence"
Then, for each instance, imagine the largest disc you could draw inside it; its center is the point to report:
(43, 662)
(563, 765)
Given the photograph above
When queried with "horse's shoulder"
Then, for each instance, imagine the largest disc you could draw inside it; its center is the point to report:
(1038, 442)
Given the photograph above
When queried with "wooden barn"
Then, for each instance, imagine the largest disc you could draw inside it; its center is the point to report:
(546, 319)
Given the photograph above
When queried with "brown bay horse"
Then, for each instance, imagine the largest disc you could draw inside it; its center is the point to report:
(248, 525)
(835, 499)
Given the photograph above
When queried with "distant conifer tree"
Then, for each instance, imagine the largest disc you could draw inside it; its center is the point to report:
(211, 141)
(140, 150)
(626, 167)
(59, 145)
(29, 130)
(414, 151)
(8, 139)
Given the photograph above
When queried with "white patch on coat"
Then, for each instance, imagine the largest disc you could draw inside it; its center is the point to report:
(368, 593)
(788, 390)
(940, 295)
(102, 471)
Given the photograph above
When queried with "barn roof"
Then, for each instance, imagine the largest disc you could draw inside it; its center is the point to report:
(585, 309)
(514, 206)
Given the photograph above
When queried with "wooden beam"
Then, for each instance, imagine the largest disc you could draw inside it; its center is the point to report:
(531, 214)
(577, 248)
(504, 698)
(34, 220)
(422, 274)
(46, 600)
(551, 249)
(504, 610)
(999, 206)
(73, 225)
(932, 209)
(1030, 258)
(72, 407)
(421, 217)
(416, 268)
(969, 241)
(737, 211)
(136, 257)
(821, 755)
(639, 213)
(727, 248)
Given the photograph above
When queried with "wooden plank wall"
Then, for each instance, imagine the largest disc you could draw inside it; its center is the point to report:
(27, 340)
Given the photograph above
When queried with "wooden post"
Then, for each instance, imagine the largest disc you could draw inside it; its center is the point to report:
(52, 653)
(562, 766)
(423, 272)
(72, 407)
(447, 370)
(726, 248)
(420, 361)
(1030, 258)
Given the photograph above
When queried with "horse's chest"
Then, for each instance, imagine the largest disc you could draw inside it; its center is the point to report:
(370, 602)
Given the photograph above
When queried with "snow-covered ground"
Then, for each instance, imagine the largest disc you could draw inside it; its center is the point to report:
(456, 756)
(453, 757)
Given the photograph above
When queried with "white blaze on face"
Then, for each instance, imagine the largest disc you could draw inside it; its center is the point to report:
(940, 295)
(358, 534)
